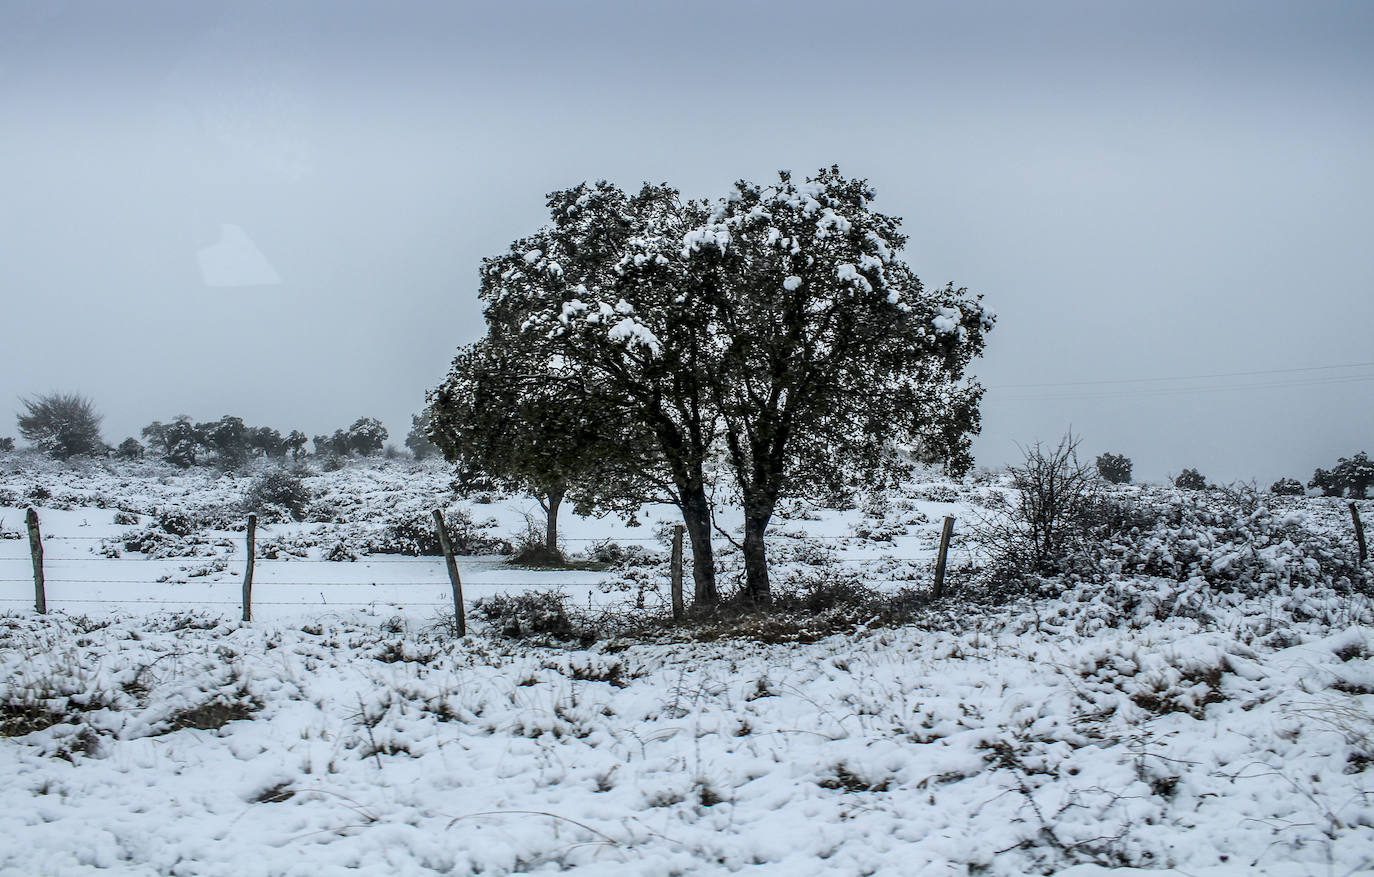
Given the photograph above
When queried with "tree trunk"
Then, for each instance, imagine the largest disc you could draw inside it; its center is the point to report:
(756, 587)
(555, 499)
(696, 516)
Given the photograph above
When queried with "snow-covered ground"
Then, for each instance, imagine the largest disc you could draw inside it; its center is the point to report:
(1147, 723)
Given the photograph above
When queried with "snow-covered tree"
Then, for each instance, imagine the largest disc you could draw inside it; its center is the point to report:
(632, 343)
(507, 420)
(366, 436)
(778, 325)
(1287, 487)
(1115, 468)
(295, 444)
(1190, 479)
(61, 425)
(130, 449)
(825, 352)
(417, 440)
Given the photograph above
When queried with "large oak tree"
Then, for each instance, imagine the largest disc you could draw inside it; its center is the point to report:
(777, 330)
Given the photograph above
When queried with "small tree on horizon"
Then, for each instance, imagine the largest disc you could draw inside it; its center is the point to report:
(418, 440)
(1114, 468)
(1287, 487)
(1190, 479)
(61, 425)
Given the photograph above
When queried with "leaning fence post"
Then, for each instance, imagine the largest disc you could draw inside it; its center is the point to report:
(248, 571)
(40, 596)
(945, 533)
(1359, 532)
(459, 619)
(677, 573)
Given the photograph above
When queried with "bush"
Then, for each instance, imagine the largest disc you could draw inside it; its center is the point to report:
(1190, 479)
(277, 490)
(414, 535)
(6, 444)
(130, 449)
(1047, 523)
(531, 613)
(175, 521)
(1351, 475)
(1287, 487)
(61, 425)
(1114, 468)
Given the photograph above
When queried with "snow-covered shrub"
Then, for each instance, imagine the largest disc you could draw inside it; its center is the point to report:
(937, 493)
(1287, 487)
(322, 511)
(531, 613)
(606, 551)
(1190, 479)
(6, 444)
(175, 521)
(414, 534)
(158, 543)
(125, 519)
(275, 492)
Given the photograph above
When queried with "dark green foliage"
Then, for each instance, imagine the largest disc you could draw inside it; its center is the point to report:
(130, 449)
(177, 442)
(1287, 487)
(1350, 476)
(365, 436)
(226, 438)
(295, 444)
(264, 441)
(506, 424)
(417, 440)
(1114, 468)
(227, 442)
(778, 325)
(277, 490)
(61, 425)
(1190, 479)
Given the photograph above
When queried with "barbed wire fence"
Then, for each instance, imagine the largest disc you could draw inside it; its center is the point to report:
(48, 571)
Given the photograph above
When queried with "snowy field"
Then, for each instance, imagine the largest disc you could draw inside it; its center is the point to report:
(1149, 723)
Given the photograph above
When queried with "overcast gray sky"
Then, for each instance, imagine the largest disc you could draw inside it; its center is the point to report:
(277, 210)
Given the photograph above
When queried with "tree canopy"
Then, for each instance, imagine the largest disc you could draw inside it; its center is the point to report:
(61, 425)
(775, 331)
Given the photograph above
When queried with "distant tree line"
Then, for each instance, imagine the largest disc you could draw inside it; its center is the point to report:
(65, 425)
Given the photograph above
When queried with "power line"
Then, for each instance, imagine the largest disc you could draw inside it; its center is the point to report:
(1182, 391)
(1241, 374)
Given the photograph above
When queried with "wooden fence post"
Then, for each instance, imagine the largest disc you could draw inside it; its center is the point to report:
(460, 622)
(248, 571)
(1359, 532)
(945, 533)
(40, 596)
(677, 574)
